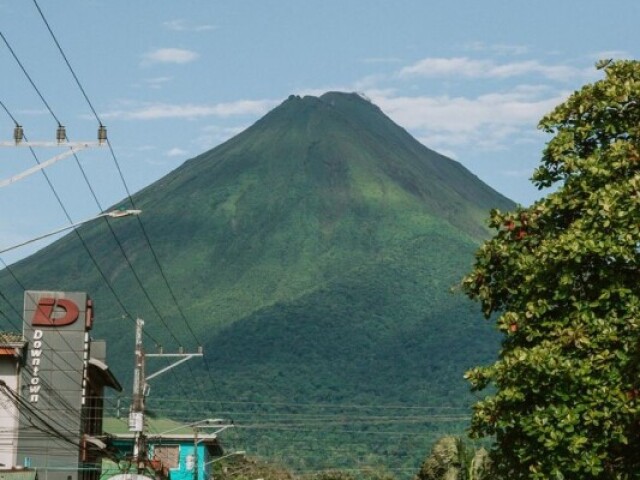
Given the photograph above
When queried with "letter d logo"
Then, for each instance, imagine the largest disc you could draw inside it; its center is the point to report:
(44, 315)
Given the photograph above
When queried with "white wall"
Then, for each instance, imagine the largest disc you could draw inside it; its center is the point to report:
(8, 413)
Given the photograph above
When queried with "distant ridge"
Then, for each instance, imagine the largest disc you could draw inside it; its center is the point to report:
(313, 255)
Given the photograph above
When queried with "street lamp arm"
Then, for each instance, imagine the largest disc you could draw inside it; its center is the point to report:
(112, 214)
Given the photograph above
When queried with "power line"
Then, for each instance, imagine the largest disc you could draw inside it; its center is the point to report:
(67, 61)
(145, 234)
(95, 198)
(13, 53)
(155, 257)
(54, 393)
(316, 405)
(6, 300)
(77, 233)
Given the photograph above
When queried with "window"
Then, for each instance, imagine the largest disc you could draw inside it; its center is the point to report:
(169, 455)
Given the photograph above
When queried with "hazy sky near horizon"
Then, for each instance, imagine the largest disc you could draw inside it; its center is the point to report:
(172, 79)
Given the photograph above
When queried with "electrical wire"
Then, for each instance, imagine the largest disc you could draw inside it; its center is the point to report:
(6, 300)
(138, 280)
(316, 405)
(130, 198)
(77, 233)
(55, 393)
(13, 53)
(86, 97)
(67, 61)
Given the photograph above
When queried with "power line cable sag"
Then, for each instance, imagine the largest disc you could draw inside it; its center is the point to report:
(121, 304)
(128, 192)
(67, 61)
(140, 222)
(145, 234)
(13, 53)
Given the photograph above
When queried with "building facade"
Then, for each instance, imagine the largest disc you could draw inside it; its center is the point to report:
(176, 456)
(11, 353)
(54, 389)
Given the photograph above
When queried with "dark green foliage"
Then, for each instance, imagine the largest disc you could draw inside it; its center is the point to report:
(313, 255)
(249, 468)
(562, 278)
(334, 475)
(446, 461)
(453, 459)
(364, 474)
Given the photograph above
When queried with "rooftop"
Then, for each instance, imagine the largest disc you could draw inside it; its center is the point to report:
(10, 338)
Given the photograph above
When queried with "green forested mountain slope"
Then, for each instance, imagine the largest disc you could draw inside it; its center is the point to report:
(313, 255)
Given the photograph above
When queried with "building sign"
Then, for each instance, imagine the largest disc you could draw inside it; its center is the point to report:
(57, 327)
(35, 354)
(61, 406)
(55, 312)
(50, 312)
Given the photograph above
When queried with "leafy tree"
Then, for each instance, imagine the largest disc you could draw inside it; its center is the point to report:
(452, 459)
(563, 280)
(249, 468)
(444, 461)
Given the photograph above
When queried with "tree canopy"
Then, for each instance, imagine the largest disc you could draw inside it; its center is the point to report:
(452, 459)
(562, 280)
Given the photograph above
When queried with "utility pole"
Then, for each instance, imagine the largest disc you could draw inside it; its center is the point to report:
(136, 417)
(195, 453)
(140, 391)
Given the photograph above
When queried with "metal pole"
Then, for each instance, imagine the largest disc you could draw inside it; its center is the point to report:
(195, 453)
(136, 418)
(112, 214)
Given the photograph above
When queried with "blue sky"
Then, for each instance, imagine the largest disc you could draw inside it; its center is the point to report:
(173, 79)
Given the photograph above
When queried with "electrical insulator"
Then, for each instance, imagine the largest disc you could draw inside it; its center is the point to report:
(200, 349)
(102, 134)
(61, 134)
(180, 350)
(18, 134)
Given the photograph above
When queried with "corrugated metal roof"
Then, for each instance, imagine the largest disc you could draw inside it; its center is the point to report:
(18, 475)
(11, 337)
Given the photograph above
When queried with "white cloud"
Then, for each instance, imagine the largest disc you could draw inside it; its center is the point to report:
(156, 82)
(368, 82)
(184, 26)
(176, 152)
(434, 67)
(463, 113)
(168, 110)
(170, 55)
(489, 122)
(471, 68)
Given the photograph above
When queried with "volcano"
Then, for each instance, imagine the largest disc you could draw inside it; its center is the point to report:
(313, 257)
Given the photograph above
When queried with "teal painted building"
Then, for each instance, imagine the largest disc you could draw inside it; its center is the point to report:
(175, 456)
